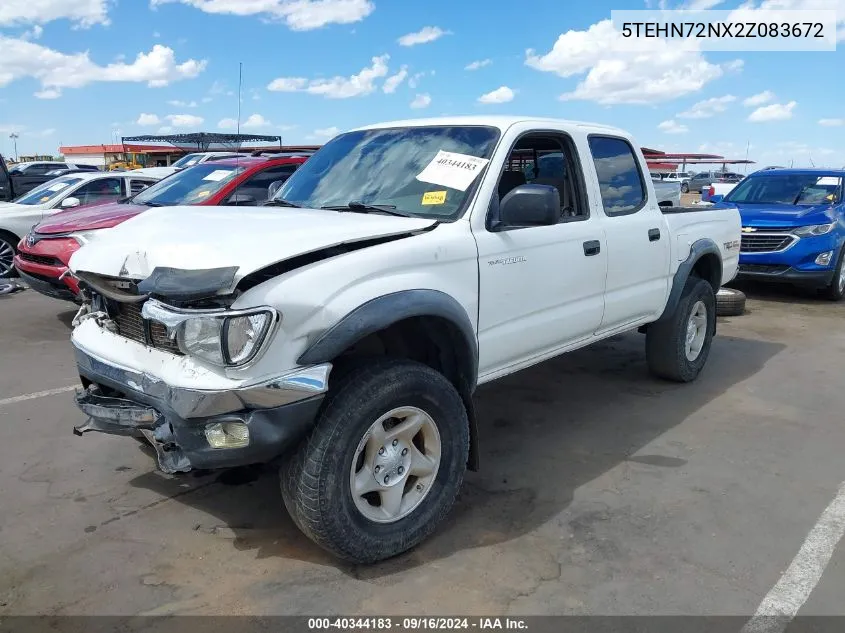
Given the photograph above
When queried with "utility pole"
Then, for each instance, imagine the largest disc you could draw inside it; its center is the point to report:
(14, 138)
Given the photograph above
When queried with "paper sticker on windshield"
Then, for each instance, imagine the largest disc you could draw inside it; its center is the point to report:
(57, 186)
(453, 170)
(203, 194)
(44, 198)
(434, 197)
(828, 180)
(218, 174)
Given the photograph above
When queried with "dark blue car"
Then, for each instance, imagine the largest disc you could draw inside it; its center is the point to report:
(793, 227)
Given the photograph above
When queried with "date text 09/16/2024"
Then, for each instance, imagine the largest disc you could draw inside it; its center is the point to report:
(416, 623)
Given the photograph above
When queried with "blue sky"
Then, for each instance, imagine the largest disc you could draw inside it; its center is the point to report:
(82, 72)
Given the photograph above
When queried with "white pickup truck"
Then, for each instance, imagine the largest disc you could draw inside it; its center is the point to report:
(346, 325)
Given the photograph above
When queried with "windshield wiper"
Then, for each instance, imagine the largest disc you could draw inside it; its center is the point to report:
(361, 207)
(281, 203)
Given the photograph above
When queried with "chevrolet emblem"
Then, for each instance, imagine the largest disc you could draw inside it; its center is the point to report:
(748, 229)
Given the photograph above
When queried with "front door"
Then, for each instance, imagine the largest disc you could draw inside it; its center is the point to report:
(541, 288)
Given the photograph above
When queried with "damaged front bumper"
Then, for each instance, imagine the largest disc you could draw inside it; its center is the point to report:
(122, 401)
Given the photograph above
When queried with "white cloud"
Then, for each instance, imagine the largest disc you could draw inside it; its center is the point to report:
(394, 81)
(148, 119)
(336, 87)
(182, 104)
(298, 15)
(48, 93)
(503, 94)
(708, 108)
(759, 99)
(421, 101)
(255, 121)
(832, 122)
(423, 36)
(414, 81)
(478, 64)
(227, 124)
(165, 129)
(10, 128)
(627, 70)
(184, 120)
(672, 127)
(33, 34)
(56, 70)
(325, 133)
(773, 112)
(83, 13)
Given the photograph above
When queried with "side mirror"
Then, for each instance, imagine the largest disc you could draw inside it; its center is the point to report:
(530, 205)
(274, 188)
(715, 199)
(70, 202)
(241, 200)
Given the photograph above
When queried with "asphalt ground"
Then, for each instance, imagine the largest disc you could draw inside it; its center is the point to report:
(601, 491)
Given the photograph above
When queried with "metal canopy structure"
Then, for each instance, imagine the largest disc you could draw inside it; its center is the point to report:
(204, 141)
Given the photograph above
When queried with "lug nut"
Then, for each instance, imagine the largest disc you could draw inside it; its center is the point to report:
(401, 469)
(419, 487)
(381, 451)
(378, 469)
(386, 478)
(395, 442)
(404, 452)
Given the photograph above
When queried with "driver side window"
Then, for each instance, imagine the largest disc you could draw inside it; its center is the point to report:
(98, 191)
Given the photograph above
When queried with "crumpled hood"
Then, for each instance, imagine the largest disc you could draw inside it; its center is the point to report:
(249, 238)
(783, 215)
(101, 216)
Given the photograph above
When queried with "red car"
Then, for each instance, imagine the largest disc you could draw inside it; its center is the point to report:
(43, 254)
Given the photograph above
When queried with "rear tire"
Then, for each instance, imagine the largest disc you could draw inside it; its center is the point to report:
(329, 484)
(677, 347)
(836, 290)
(684, 188)
(730, 302)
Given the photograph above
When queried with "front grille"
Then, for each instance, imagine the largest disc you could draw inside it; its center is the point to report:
(133, 326)
(39, 259)
(763, 268)
(765, 243)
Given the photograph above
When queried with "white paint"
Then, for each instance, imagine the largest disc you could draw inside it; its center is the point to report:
(37, 394)
(787, 597)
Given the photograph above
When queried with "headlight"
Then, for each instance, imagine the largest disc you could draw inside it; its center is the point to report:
(83, 237)
(225, 340)
(814, 229)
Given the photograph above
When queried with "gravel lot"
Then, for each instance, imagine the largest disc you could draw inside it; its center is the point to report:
(602, 491)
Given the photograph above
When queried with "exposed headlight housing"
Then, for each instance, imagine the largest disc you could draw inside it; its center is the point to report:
(814, 229)
(227, 340)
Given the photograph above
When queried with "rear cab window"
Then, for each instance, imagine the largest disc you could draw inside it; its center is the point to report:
(620, 179)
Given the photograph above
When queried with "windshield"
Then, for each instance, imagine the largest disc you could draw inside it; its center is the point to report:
(794, 189)
(189, 186)
(395, 167)
(48, 191)
(187, 161)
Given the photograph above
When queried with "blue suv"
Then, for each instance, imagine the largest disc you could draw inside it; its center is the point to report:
(793, 227)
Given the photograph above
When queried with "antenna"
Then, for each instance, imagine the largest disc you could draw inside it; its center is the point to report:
(745, 166)
(240, 84)
(811, 161)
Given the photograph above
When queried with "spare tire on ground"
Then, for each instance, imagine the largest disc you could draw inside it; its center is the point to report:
(730, 302)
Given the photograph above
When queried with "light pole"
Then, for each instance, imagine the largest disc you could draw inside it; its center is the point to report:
(14, 138)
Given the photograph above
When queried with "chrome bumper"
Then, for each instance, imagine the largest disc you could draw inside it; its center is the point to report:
(299, 384)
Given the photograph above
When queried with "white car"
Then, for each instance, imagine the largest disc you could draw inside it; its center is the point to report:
(189, 160)
(346, 325)
(65, 192)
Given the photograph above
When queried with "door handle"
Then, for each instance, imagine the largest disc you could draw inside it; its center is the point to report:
(592, 247)
(653, 235)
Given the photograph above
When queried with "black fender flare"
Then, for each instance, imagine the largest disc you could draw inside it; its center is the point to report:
(699, 249)
(382, 312)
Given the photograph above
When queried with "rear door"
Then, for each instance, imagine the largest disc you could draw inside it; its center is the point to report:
(638, 243)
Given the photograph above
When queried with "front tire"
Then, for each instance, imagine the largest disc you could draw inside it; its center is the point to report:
(677, 347)
(684, 188)
(383, 464)
(836, 290)
(8, 249)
